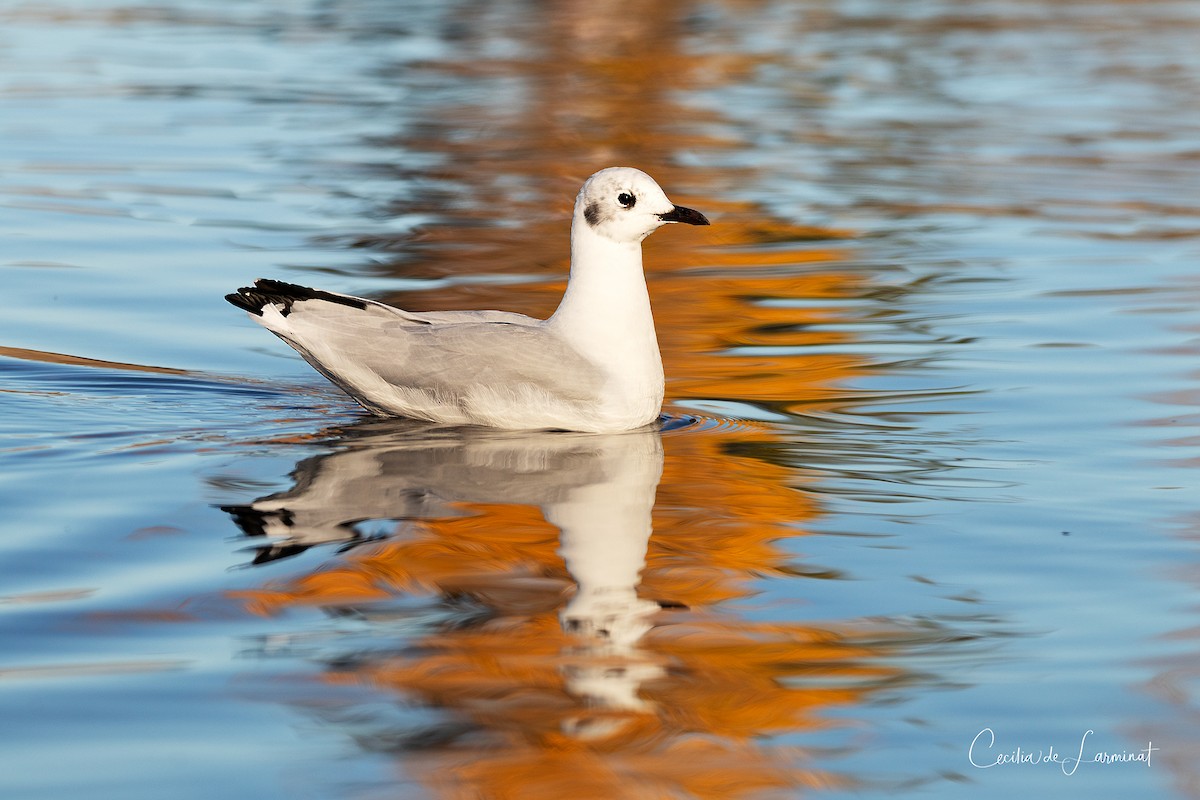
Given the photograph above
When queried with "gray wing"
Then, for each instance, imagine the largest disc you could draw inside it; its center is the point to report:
(452, 357)
(361, 348)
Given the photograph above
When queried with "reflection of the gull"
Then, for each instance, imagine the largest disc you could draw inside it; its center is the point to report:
(608, 694)
(598, 490)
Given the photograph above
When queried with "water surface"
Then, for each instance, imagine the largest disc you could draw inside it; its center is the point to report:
(927, 466)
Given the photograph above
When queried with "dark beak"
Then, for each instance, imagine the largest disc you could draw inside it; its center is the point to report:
(685, 215)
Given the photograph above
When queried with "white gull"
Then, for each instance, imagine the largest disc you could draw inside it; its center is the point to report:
(593, 365)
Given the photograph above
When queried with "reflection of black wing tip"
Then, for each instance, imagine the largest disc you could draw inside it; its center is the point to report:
(256, 523)
(253, 522)
(266, 291)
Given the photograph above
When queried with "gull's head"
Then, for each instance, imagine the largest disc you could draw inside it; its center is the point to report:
(625, 204)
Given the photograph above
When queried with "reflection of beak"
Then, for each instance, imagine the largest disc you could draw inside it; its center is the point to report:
(687, 215)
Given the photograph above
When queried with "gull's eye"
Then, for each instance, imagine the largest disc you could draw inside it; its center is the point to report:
(626, 200)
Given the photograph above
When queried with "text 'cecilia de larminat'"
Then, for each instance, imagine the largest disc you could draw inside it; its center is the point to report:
(983, 754)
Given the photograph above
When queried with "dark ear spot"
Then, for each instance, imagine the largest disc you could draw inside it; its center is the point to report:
(592, 214)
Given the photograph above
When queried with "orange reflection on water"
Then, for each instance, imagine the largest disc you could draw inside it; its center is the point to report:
(594, 658)
(709, 694)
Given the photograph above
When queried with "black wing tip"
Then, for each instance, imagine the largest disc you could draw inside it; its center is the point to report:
(267, 291)
(245, 299)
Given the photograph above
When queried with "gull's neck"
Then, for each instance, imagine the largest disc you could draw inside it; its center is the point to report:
(605, 313)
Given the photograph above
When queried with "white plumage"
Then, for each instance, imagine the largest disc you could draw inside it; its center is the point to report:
(592, 366)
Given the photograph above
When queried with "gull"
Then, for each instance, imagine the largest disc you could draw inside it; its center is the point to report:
(592, 366)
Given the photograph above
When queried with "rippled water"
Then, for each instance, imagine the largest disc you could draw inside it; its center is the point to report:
(929, 466)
